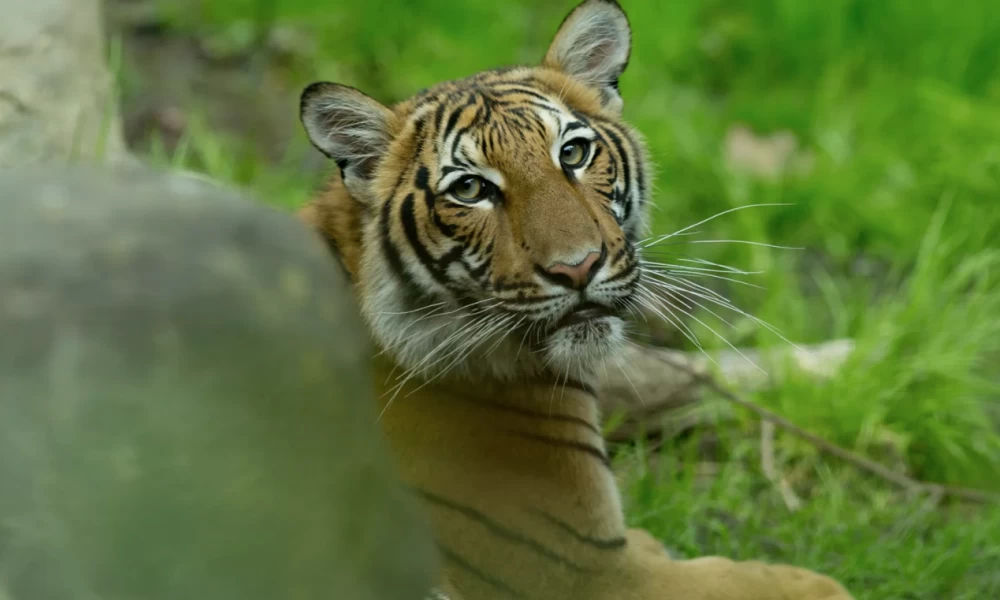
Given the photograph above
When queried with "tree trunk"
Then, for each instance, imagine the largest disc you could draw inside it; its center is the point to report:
(57, 97)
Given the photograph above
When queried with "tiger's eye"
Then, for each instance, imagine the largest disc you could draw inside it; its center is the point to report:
(469, 188)
(574, 154)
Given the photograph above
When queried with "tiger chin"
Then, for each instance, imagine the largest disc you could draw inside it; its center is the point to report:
(490, 229)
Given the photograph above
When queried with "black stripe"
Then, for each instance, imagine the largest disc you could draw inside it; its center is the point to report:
(621, 254)
(622, 274)
(616, 543)
(456, 113)
(455, 143)
(498, 529)
(406, 215)
(391, 254)
(413, 295)
(534, 299)
(640, 173)
(491, 133)
(422, 178)
(480, 271)
(573, 126)
(567, 444)
(621, 130)
(439, 116)
(481, 239)
(597, 153)
(512, 309)
(458, 561)
(623, 156)
(445, 171)
(534, 414)
(421, 181)
(502, 90)
(418, 134)
(478, 116)
(523, 104)
(419, 129)
(622, 200)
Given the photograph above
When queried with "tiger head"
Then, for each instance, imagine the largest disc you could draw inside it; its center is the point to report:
(490, 224)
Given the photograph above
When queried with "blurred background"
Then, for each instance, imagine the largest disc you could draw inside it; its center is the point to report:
(878, 122)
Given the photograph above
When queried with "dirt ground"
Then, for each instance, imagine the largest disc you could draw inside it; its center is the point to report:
(240, 87)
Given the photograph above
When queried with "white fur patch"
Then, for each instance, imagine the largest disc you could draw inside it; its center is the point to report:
(578, 350)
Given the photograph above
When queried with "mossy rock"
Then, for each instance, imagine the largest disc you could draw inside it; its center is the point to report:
(185, 407)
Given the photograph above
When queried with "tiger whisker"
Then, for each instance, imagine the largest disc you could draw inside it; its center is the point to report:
(692, 287)
(646, 261)
(629, 305)
(711, 276)
(415, 310)
(699, 261)
(523, 338)
(689, 303)
(552, 395)
(723, 302)
(623, 362)
(460, 351)
(689, 295)
(511, 329)
(687, 275)
(420, 367)
(724, 340)
(746, 242)
(437, 313)
(646, 298)
(690, 269)
(471, 336)
(644, 243)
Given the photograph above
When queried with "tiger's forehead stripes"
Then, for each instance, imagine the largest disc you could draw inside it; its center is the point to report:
(483, 123)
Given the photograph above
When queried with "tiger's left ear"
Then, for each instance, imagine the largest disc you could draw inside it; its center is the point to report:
(349, 127)
(593, 45)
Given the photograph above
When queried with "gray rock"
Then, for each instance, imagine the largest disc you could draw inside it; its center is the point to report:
(57, 100)
(184, 403)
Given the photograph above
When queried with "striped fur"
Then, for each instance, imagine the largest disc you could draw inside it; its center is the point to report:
(482, 259)
(478, 304)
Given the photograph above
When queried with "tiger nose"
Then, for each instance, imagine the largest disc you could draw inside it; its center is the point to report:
(574, 276)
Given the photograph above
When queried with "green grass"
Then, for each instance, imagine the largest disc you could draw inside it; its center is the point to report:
(898, 103)
(879, 545)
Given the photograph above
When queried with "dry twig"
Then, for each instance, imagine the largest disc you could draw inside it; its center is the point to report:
(792, 501)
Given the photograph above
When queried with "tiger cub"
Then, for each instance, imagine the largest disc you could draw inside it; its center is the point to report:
(489, 227)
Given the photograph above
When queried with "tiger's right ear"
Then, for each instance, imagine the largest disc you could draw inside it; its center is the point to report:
(349, 127)
(593, 45)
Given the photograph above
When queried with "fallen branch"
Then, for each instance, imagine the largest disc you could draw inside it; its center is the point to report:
(934, 490)
(651, 399)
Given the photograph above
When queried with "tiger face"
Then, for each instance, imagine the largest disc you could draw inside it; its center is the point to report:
(490, 224)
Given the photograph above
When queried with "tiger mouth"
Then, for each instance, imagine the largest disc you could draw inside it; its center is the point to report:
(585, 313)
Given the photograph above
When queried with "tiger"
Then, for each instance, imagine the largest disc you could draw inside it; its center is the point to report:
(489, 228)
